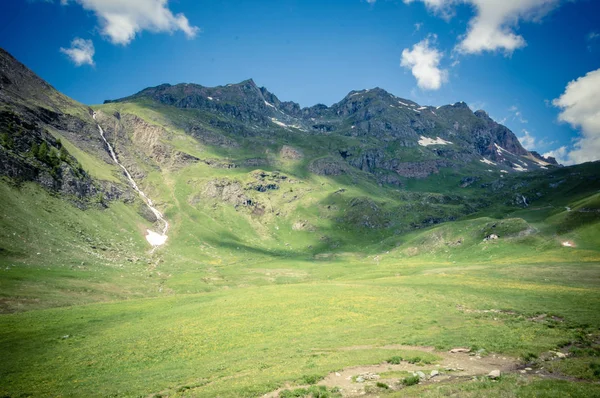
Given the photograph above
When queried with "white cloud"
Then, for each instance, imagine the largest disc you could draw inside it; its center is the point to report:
(122, 20)
(517, 115)
(81, 52)
(591, 39)
(493, 26)
(580, 107)
(527, 140)
(423, 61)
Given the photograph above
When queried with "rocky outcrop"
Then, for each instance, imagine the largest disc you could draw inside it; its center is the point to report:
(290, 153)
(225, 190)
(420, 169)
(328, 167)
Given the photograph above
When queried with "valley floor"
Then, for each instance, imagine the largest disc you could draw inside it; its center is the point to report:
(249, 341)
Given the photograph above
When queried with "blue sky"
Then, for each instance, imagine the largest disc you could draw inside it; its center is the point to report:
(512, 58)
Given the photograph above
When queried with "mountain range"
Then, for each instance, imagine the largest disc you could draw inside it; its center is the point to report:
(228, 219)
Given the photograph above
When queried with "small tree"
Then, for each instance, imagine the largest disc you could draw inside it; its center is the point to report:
(53, 159)
(6, 141)
(43, 152)
(35, 149)
(64, 154)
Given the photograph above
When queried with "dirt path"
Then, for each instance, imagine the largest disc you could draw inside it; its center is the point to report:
(450, 366)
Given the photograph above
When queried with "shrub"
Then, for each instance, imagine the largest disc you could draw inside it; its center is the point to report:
(395, 360)
(298, 392)
(382, 385)
(414, 360)
(529, 357)
(595, 367)
(313, 392)
(311, 379)
(411, 380)
(318, 392)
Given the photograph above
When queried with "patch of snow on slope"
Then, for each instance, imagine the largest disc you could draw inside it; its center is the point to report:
(402, 103)
(500, 150)
(486, 161)
(504, 171)
(280, 123)
(155, 239)
(421, 108)
(519, 168)
(425, 141)
(210, 98)
(271, 105)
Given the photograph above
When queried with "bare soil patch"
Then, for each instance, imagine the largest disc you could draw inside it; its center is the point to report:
(451, 366)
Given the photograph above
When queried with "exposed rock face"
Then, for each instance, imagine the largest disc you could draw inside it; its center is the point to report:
(227, 191)
(548, 159)
(33, 114)
(328, 167)
(420, 169)
(290, 153)
(468, 181)
(150, 138)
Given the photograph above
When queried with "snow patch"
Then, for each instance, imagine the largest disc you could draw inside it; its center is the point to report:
(421, 108)
(504, 171)
(402, 103)
(486, 161)
(425, 141)
(279, 123)
(282, 124)
(519, 168)
(271, 105)
(155, 239)
(210, 98)
(500, 150)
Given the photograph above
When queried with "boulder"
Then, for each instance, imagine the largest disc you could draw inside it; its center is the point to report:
(494, 374)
